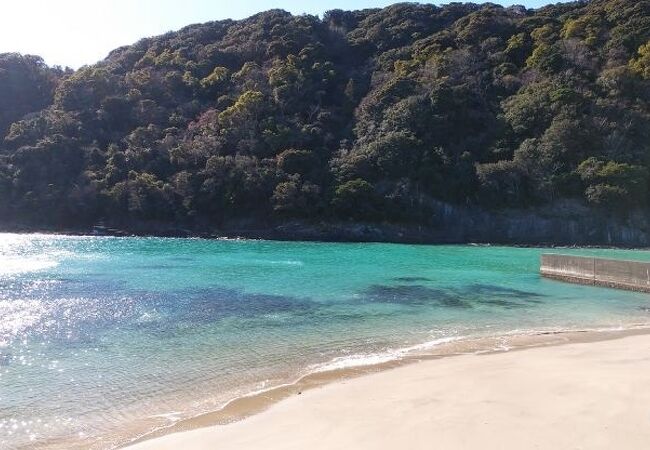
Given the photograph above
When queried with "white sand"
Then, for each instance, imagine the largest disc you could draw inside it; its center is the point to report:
(576, 396)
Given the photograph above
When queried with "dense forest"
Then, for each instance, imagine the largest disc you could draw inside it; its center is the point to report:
(371, 116)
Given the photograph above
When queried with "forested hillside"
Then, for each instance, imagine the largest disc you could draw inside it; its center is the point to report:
(367, 115)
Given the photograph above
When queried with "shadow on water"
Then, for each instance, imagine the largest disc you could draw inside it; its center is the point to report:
(77, 312)
(210, 304)
(466, 297)
(413, 295)
(161, 267)
(182, 258)
(411, 279)
(491, 290)
(81, 311)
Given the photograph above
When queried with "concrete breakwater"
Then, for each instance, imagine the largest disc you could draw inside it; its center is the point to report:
(621, 274)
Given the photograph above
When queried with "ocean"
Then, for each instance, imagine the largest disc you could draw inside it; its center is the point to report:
(104, 339)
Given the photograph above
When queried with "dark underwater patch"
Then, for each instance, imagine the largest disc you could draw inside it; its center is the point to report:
(79, 311)
(215, 303)
(161, 266)
(480, 294)
(501, 303)
(411, 279)
(490, 290)
(413, 295)
(181, 258)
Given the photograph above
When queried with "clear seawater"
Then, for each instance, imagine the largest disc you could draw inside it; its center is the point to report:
(99, 335)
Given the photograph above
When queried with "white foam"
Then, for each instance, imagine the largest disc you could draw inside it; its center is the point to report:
(149, 317)
(433, 343)
(278, 262)
(173, 416)
(360, 360)
(371, 359)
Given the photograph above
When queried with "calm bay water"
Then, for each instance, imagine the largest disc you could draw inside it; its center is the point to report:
(99, 335)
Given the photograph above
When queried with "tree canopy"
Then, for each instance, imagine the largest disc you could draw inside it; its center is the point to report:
(364, 115)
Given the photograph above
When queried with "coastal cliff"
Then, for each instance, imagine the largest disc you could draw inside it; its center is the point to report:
(452, 224)
(566, 224)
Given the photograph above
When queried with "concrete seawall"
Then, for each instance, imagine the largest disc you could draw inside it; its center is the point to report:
(621, 274)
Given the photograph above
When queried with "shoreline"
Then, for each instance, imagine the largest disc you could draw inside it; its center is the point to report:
(257, 404)
(416, 404)
(282, 238)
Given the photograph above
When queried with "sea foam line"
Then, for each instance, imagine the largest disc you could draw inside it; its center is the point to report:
(372, 359)
(378, 358)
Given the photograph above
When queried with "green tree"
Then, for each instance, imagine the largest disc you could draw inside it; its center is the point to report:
(355, 199)
(614, 185)
(641, 64)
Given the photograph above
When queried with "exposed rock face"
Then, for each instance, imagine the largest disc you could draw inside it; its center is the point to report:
(562, 224)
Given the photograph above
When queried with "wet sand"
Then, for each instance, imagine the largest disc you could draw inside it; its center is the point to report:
(590, 393)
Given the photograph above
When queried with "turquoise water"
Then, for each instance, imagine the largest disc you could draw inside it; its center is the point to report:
(102, 335)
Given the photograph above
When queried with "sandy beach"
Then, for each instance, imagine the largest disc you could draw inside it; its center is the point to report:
(592, 395)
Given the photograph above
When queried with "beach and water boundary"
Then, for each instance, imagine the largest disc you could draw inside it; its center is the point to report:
(257, 404)
(254, 403)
